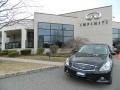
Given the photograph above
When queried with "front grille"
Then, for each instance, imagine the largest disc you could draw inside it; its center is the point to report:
(84, 67)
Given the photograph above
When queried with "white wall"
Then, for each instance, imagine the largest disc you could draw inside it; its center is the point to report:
(26, 24)
(98, 33)
(22, 26)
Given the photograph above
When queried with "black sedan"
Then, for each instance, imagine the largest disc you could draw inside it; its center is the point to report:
(92, 62)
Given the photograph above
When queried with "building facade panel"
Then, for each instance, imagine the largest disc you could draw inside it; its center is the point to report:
(52, 28)
(94, 24)
(115, 32)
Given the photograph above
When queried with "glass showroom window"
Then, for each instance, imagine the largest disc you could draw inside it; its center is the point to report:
(68, 27)
(67, 39)
(68, 33)
(54, 33)
(116, 35)
(43, 32)
(56, 26)
(115, 31)
(44, 25)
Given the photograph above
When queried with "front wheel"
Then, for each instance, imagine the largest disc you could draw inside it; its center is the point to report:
(110, 80)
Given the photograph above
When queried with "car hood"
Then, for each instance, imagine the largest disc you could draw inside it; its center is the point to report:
(92, 60)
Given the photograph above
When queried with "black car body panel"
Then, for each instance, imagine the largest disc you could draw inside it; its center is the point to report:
(97, 61)
(88, 66)
(94, 76)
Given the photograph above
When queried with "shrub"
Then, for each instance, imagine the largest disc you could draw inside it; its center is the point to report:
(25, 52)
(12, 51)
(4, 52)
(53, 49)
(13, 54)
(75, 43)
(40, 51)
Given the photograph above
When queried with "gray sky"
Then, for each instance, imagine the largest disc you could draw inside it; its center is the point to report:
(65, 6)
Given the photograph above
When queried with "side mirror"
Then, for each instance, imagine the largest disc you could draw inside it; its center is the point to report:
(113, 53)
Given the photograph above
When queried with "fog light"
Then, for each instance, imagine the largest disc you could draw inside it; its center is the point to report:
(66, 71)
(102, 78)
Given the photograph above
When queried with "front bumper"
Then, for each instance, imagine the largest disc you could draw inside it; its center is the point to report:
(97, 77)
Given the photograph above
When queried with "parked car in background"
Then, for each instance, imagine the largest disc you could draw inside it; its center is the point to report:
(92, 62)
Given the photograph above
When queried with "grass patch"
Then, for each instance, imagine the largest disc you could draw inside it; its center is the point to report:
(10, 67)
(46, 58)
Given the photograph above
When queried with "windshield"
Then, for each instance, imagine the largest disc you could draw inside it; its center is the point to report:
(93, 49)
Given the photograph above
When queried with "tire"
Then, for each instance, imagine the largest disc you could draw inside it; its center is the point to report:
(109, 80)
(67, 75)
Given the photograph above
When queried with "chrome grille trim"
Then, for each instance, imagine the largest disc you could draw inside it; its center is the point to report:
(84, 64)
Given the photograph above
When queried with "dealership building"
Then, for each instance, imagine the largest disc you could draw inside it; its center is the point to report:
(96, 25)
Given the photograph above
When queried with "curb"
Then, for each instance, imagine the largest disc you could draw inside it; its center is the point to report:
(32, 61)
(28, 72)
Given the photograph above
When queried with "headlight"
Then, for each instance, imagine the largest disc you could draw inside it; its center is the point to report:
(67, 61)
(106, 66)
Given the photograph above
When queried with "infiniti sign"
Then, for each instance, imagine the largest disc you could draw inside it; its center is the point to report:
(93, 15)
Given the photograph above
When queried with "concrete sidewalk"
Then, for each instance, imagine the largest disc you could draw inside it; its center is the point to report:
(32, 61)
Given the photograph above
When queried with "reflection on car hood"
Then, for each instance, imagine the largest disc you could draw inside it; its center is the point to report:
(97, 60)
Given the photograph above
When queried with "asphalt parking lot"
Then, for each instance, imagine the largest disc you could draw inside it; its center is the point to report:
(55, 79)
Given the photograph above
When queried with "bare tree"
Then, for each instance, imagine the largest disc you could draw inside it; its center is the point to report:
(9, 12)
(76, 43)
(80, 41)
